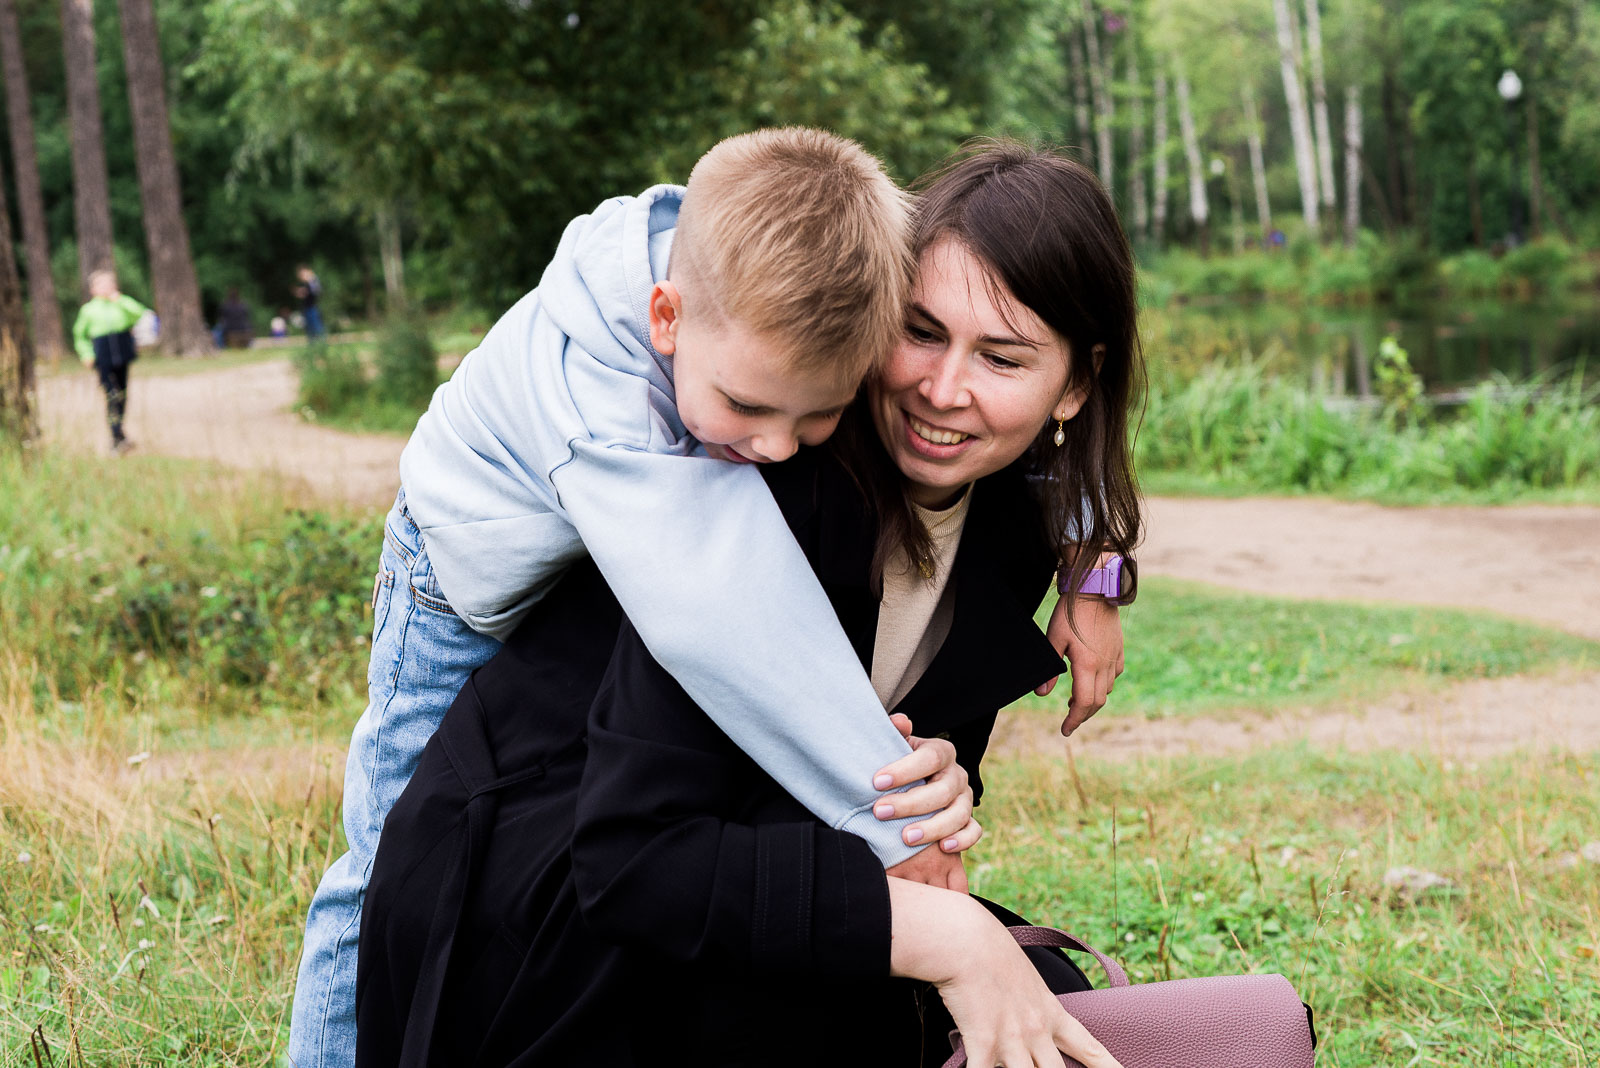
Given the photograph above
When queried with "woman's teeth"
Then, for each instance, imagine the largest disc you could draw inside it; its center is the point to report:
(934, 435)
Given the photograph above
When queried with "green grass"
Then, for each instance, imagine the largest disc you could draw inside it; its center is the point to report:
(1275, 863)
(1193, 648)
(158, 747)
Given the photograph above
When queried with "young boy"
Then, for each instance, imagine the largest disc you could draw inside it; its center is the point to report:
(618, 410)
(103, 338)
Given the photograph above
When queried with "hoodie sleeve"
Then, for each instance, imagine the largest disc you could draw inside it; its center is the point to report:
(698, 553)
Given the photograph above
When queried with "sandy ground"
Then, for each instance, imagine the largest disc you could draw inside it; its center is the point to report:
(1538, 563)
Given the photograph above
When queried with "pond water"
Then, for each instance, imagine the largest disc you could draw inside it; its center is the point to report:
(1453, 345)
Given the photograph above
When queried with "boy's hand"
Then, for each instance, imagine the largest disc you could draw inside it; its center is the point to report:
(947, 794)
(934, 867)
(1095, 655)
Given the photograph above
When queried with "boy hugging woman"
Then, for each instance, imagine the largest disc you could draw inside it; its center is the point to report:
(677, 340)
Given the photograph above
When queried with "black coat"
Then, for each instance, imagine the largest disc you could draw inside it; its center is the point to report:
(585, 870)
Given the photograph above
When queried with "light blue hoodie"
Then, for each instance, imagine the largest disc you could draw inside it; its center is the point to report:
(559, 435)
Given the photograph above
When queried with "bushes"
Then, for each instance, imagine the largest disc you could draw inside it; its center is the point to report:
(1237, 427)
(335, 385)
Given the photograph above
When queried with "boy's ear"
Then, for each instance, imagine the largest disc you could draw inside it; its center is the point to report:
(666, 310)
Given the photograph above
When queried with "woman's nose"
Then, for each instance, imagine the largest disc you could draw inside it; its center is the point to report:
(945, 384)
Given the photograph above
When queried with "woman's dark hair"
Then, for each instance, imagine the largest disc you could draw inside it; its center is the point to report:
(1049, 236)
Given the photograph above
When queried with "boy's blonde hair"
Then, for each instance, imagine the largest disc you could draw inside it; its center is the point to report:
(801, 236)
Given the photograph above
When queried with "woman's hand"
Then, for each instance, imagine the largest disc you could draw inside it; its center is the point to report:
(1094, 652)
(1006, 1014)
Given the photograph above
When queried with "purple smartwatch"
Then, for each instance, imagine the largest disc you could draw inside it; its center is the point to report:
(1117, 581)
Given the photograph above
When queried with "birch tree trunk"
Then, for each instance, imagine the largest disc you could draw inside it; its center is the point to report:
(16, 351)
(176, 291)
(1319, 100)
(1352, 164)
(1136, 164)
(1258, 167)
(1159, 209)
(1299, 122)
(1199, 208)
(1100, 83)
(91, 195)
(1080, 99)
(390, 253)
(49, 339)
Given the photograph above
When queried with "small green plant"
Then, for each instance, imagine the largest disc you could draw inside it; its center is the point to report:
(407, 363)
(1398, 385)
(331, 377)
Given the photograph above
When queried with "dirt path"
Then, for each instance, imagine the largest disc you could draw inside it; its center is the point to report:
(1538, 563)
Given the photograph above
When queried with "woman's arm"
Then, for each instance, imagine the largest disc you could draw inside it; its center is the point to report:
(1006, 1014)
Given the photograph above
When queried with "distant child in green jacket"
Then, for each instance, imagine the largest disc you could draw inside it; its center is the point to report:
(103, 336)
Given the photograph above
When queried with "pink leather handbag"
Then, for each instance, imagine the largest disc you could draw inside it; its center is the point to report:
(1226, 1021)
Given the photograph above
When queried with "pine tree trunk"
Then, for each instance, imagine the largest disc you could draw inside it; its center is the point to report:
(176, 292)
(1319, 98)
(1101, 85)
(1258, 167)
(1352, 164)
(1299, 121)
(1080, 99)
(389, 251)
(16, 351)
(1158, 210)
(49, 339)
(1136, 189)
(91, 189)
(1199, 208)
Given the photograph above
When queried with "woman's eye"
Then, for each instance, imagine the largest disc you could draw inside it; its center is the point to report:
(1002, 362)
(917, 333)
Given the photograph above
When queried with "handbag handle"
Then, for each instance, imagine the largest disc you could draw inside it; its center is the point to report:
(1050, 936)
(1046, 936)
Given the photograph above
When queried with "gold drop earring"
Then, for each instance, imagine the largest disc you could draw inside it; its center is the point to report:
(1061, 432)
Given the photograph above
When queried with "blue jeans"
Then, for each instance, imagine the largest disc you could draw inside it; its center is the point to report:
(422, 654)
(314, 327)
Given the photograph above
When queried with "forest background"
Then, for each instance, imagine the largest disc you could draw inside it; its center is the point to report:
(434, 150)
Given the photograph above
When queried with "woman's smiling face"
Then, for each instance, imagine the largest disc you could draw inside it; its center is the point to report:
(972, 382)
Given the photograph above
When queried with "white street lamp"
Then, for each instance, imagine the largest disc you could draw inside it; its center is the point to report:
(1510, 85)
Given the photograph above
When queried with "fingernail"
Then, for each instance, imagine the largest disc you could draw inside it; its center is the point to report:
(884, 812)
(913, 836)
(949, 845)
(883, 782)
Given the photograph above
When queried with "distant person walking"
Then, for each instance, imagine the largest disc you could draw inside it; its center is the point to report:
(310, 293)
(103, 337)
(233, 322)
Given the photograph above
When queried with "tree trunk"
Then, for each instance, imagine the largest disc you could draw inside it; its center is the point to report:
(1100, 83)
(16, 351)
(1299, 121)
(1258, 167)
(1352, 164)
(1535, 181)
(1392, 139)
(1199, 208)
(389, 251)
(1080, 99)
(176, 292)
(91, 195)
(1136, 189)
(1474, 198)
(1158, 210)
(1319, 98)
(48, 337)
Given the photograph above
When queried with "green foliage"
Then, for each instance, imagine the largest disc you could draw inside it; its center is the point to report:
(1237, 426)
(332, 377)
(1201, 648)
(407, 363)
(122, 587)
(1399, 387)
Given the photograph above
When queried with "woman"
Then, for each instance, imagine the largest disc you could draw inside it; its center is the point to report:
(599, 876)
